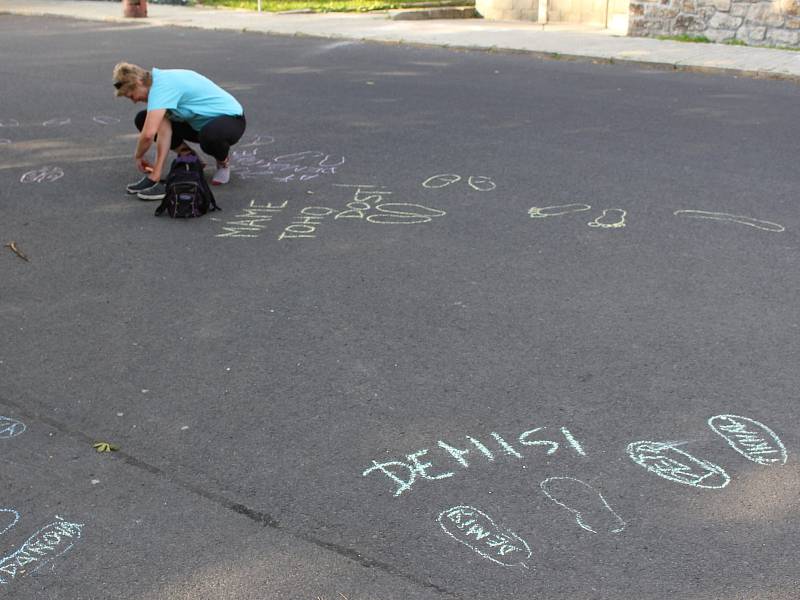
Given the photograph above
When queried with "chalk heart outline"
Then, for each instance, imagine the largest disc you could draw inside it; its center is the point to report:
(489, 520)
(736, 420)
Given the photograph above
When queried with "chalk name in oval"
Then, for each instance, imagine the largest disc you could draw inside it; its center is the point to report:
(404, 473)
(666, 460)
(42, 174)
(41, 548)
(476, 530)
(753, 440)
(10, 427)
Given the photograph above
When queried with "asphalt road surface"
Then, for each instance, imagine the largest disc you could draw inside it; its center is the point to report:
(469, 325)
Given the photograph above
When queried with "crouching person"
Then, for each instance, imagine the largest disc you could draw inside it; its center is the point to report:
(181, 106)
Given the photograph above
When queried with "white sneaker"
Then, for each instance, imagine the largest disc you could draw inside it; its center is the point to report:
(223, 173)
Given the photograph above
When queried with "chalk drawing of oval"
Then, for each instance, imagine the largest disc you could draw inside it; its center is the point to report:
(9, 518)
(44, 546)
(4, 141)
(441, 180)
(753, 440)
(481, 183)
(10, 427)
(476, 530)
(9, 123)
(590, 509)
(666, 460)
(105, 120)
(740, 219)
(404, 213)
(42, 174)
(57, 122)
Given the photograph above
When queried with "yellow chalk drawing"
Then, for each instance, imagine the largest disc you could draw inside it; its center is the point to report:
(540, 212)
(612, 218)
(718, 216)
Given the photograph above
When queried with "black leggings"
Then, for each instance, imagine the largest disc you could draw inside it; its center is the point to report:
(215, 138)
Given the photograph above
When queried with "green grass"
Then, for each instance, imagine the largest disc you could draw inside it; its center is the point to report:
(332, 5)
(696, 39)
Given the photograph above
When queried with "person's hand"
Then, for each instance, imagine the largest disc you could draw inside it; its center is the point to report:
(143, 165)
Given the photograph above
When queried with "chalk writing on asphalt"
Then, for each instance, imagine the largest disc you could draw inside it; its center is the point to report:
(481, 183)
(299, 166)
(42, 174)
(541, 212)
(612, 218)
(105, 120)
(666, 460)
(250, 221)
(10, 427)
(753, 440)
(8, 518)
(590, 509)
(57, 122)
(476, 530)
(741, 220)
(417, 466)
(370, 204)
(4, 141)
(255, 140)
(41, 548)
(9, 123)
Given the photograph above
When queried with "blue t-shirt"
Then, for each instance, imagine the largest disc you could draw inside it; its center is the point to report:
(190, 97)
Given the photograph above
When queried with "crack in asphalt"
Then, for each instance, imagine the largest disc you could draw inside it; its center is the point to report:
(262, 518)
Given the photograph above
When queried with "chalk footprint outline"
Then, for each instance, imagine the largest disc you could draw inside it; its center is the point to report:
(610, 213)
(587, 508)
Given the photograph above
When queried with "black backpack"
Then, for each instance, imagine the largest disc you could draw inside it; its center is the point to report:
(188, 193)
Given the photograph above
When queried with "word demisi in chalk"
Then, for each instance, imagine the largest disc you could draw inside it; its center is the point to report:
(10, 427)
(47, 544)
(753, 440)
(741, 220)
(666, 460)
(251, 221)
(590, 509)
(476, 530)
(42, 174)
(301, 166)
(404, 473)
(481, 183)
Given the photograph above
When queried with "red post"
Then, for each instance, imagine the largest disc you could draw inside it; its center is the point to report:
(134, 8)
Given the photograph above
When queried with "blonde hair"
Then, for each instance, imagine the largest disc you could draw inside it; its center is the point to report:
(127, 75)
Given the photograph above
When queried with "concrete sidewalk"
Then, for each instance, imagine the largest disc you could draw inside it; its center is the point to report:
(557, 41)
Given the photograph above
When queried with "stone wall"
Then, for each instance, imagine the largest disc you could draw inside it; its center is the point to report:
(771, 23)
(519, 10)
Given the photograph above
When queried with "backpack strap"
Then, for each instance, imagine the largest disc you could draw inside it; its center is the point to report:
(161, 207)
